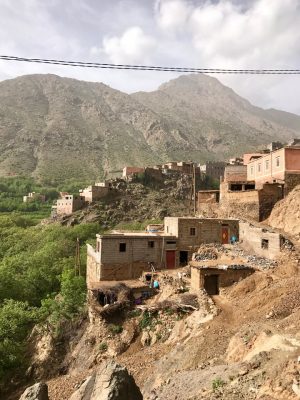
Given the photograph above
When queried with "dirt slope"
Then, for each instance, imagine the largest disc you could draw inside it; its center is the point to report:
(286, 214)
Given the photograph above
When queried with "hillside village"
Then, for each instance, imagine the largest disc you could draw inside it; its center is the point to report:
(191, 267)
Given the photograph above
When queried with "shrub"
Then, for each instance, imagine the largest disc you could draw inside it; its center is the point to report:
(115, 329)
(103, 347)
(217, 383)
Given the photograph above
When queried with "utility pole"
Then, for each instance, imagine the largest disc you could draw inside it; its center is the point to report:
(77, 258)
(194, 188)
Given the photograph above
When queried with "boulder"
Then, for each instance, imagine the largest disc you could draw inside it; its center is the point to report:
(110, 382)
(39, 391)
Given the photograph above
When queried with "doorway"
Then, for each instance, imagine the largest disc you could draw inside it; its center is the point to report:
(170, 259)
(183, 258)
(211, 284)
(225, 234)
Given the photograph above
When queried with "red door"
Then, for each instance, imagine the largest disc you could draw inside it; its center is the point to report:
(225, 235)
(170, 258)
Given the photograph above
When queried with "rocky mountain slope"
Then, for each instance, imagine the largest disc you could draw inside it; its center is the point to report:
(57, 128)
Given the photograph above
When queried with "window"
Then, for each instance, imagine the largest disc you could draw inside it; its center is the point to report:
(167, 229)
(264, 244)
(192, 231)
(259, 167)
(251, 171)
(267, 164)
(151, 244)
(277, 161)
(122, 247)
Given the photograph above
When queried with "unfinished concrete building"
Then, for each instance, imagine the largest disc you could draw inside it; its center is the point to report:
(192, 232)
(125, 256)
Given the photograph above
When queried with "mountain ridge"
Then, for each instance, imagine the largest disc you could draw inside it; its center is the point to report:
(56, 128)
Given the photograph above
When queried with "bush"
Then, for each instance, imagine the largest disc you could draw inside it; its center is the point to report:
(115, 329)
(103, 347)
(217, 383)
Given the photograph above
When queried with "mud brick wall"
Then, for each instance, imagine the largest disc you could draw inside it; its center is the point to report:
(226, 277)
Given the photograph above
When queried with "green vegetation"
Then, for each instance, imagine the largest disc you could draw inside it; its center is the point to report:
(103, 346)
(136, 225)
(38, 283)
(115, 329)
(217, 384)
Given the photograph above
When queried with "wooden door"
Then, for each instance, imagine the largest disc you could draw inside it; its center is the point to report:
(170, 258)
(225, 235)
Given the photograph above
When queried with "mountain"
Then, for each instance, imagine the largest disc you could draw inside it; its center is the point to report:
(57, 128)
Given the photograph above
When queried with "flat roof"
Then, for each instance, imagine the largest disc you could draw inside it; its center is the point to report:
(206, 219)
(131, 283)
(136, 235)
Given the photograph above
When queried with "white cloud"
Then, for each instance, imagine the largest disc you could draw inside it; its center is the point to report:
(133, 46)
(196, 33)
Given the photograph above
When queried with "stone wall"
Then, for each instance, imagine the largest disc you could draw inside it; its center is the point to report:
(291, 181)
(255, 204)
(262, 242)
(226, 277)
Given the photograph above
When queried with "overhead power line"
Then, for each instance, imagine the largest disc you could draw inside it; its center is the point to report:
(152, 68)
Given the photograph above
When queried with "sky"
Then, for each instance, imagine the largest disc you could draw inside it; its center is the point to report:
(178, 33)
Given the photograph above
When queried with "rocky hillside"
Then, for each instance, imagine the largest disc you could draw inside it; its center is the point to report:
(58, 128)
(286, 214)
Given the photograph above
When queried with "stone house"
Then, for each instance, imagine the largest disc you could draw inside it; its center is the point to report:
(129, 171)
(243, 197)
(124, 256)
(95, 192)
(212, 276)
(262, 241)
(68, 204)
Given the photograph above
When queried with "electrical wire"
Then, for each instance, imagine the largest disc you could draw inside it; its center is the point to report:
(152, 68)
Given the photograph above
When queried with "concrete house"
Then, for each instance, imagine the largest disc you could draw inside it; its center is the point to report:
(125, 256)
(33, 196)
(191, 232)
(279, 166)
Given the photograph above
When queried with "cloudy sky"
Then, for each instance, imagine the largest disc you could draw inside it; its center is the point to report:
(183, 33)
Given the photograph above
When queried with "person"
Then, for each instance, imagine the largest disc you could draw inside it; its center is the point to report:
(233, 239)
(155, 284)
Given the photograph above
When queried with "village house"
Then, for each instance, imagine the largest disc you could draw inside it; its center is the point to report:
(32, 196)
(129, 171)
(95, 192)
(213, 275)
(214, 169)
(263, 241)
(122, 256)
(279, 166)
(68, 204)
